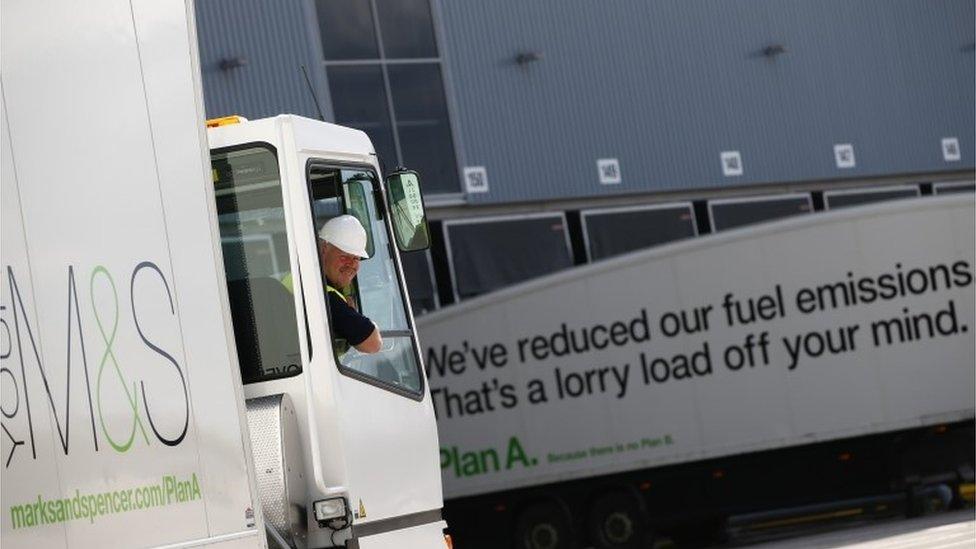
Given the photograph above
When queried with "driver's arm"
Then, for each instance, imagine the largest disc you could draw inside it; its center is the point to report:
(372, 343)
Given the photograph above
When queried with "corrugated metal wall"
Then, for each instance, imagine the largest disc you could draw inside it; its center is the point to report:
(275, 39)
(664, 86)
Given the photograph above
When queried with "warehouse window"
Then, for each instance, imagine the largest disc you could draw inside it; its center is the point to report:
(359, 101)
(407, 28)
(355, 38)
(489, 254)
(385, 78)
(737, 212)
(418, 269)
(855, 197)
(610, 232)
(952, 187)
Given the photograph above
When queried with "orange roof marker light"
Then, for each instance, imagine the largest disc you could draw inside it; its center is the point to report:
(225, 121)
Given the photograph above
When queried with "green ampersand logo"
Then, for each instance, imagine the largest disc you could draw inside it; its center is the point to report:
(109, 355)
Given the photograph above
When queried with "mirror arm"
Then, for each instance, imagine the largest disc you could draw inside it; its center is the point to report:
(381, 207)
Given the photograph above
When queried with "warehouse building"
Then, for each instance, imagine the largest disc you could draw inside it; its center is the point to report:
(551, 134)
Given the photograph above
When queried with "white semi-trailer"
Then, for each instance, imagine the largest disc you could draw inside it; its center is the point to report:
(815, 368)
(169, 376)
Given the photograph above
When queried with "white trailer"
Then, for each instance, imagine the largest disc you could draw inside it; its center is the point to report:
(144, 278)
(759, 357)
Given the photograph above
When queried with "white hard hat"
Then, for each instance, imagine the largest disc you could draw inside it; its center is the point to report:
(346, 233)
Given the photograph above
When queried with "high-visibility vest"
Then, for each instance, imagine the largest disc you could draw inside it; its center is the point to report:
(340, 344)
(288, 282)
(329, 288)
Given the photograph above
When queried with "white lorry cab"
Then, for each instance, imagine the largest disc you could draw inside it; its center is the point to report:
(168, 371)
(365, 423)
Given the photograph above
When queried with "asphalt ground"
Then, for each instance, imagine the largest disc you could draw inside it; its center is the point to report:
(948, 530)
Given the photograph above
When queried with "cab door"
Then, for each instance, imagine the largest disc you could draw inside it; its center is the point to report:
(375, 407)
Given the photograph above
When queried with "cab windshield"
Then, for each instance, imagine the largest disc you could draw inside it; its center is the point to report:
(255, 247)
(376, 291)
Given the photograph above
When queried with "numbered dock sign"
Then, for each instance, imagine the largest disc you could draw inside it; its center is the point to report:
(844, 155)
(475, 179)
(731, 163)
(950, 149)
(609, 171)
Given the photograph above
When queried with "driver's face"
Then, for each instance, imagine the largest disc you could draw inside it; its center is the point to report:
(340, 267)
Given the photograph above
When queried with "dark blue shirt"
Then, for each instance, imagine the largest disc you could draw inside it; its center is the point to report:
(347, 323)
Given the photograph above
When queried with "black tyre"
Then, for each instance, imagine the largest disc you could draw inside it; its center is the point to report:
(544, 525)
(617, 520)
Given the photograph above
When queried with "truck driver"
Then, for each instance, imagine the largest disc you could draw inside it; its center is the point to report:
(342, 244)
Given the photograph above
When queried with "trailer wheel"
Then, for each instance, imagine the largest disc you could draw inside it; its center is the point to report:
(544, 525)
(617, 520)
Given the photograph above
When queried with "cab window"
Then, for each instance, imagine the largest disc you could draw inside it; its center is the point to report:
(255, 249)
(376, 291)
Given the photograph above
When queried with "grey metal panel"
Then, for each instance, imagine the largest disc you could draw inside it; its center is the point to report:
(663, 86)
(275, 39)
(666, 85)
(278, 463)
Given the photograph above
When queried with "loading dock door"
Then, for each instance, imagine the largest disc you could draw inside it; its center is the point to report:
(611, 232)
(855, 197)
(490, 253)
(737, 212)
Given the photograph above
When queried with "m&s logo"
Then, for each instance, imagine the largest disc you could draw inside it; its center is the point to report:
(91, 370)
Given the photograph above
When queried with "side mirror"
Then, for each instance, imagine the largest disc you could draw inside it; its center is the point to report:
(407, 211)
